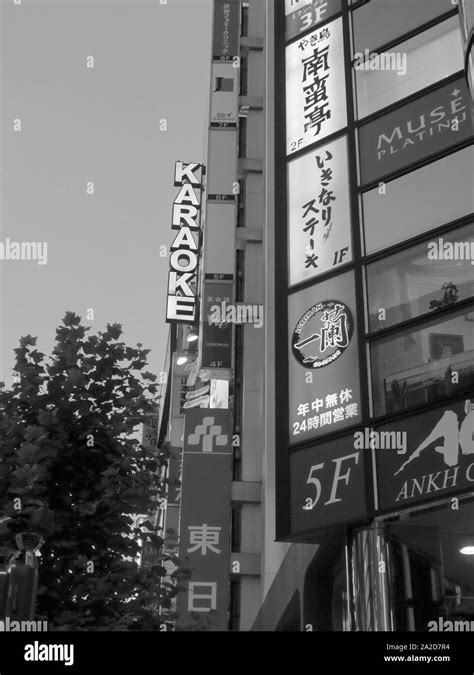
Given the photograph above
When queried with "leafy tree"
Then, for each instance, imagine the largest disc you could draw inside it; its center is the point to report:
(68, 443)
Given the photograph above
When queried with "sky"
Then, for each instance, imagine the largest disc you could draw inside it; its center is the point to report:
(97, 125)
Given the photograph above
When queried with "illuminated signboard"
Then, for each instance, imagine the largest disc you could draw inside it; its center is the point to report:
(304, 14)
(319, 221)
(422, 128)
(219, 394)
(323, 368)
(205, 518)
(327, 485)
(315, 87)
(425, 457)
(184, 253)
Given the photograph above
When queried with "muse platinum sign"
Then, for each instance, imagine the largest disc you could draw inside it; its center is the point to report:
(415, 131)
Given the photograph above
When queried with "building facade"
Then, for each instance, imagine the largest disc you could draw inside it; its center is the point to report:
(337, 198)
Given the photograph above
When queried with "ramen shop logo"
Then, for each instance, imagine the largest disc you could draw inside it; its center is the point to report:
(322, 334)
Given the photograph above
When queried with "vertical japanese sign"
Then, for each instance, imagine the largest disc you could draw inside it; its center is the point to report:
(150, 431)
(205, 519)
(319, 220)
(216, 348)
(315, 87)
(301, 15)
(184, 253)
(323, 364)
(226, 30)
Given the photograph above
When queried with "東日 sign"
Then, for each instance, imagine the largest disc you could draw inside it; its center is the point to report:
(204, 528)
(315, 87)
(184, 253)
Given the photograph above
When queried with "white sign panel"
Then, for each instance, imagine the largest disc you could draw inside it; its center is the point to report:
(319, 221)
(219, 394)
(315, 87)
(184, 253)
(224, 95)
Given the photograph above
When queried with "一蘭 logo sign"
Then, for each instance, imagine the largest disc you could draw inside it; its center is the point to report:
(322, 334)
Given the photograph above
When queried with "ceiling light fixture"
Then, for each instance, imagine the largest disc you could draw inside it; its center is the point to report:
(467, 550)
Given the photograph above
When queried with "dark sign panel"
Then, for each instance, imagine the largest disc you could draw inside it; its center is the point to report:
(323, 368)
(151, 555)
(425, 457)
(217, 332)
(205, 519)
(226, 30)
(327, 485)
(302, 15)
(430, 124)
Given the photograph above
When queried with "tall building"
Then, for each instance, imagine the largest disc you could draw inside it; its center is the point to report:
(327, 479)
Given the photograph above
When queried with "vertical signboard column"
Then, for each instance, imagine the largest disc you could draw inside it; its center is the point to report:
(205, 519)
(219, 251)
(323, 484)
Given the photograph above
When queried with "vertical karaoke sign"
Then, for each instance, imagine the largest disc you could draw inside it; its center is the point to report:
(184, 254)
(204, 533)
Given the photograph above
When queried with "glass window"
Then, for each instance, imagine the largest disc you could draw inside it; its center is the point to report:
(383, 79)
(419, 201)
(381, 21)
(419, 366)
(426, 277)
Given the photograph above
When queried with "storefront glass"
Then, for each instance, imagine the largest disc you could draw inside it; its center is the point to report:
(380, 21)
(422, 200)
(424, 365)
(414, 282)
(388, 77)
